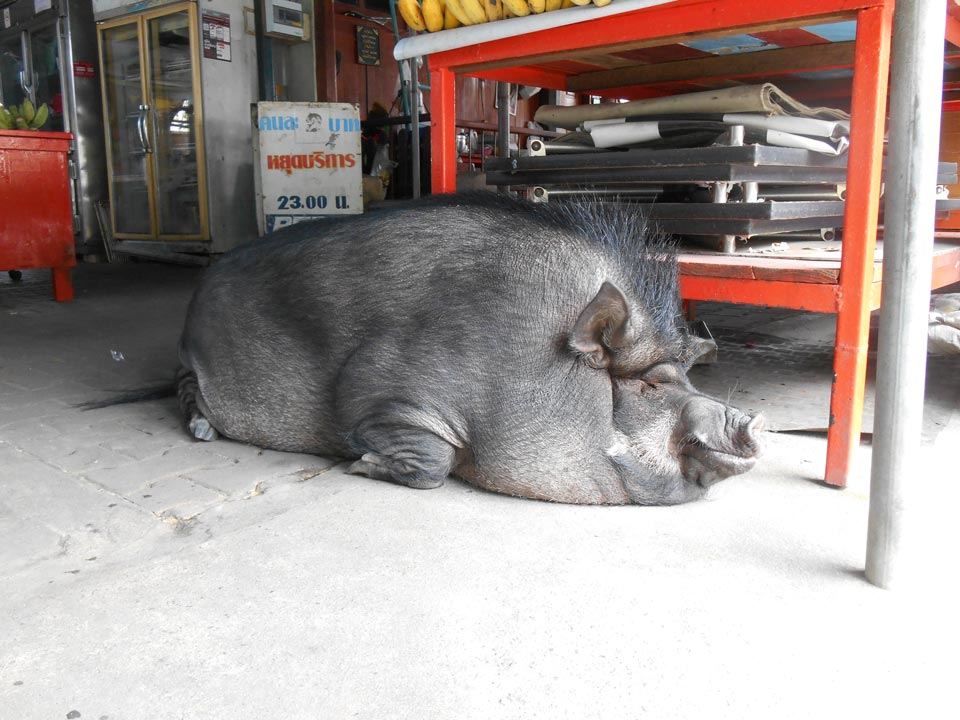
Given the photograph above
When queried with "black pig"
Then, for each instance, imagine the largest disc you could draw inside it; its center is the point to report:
(536, 350)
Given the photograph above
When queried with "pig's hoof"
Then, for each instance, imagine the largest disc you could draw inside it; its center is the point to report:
(201, 428)
(378, 468)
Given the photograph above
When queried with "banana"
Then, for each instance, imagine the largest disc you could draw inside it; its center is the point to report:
(566, 4)
(475, 11)
(519, 8)
(537, 6)
(27, 111)
(432, 11)
(450, 21)
(456, 8)
(602, 3)
(41, 117)
(25, 117)
(581, 2)
(554, 5)
(494, 9)
(412, 14)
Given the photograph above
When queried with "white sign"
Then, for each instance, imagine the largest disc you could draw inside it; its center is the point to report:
(310, 162)
(6, 17)
(40, 5)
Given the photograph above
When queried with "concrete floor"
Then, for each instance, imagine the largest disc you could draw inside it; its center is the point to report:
(148, 576)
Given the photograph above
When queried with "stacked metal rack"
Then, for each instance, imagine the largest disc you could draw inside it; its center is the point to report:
(720, 195)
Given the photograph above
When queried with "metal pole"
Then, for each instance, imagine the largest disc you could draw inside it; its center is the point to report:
(503, 125)
(916, 83)
(503, 119)
(415, 127)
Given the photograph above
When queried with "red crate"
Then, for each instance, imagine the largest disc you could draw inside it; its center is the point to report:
(36, 217)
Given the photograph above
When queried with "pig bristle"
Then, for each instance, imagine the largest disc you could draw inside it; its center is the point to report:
(643, 253)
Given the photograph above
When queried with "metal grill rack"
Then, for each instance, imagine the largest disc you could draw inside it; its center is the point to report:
(720, 195)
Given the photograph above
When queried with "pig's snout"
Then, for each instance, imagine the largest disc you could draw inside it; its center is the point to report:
(718, 441)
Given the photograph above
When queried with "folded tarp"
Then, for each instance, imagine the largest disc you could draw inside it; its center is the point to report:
(943, 330)
(766, 99)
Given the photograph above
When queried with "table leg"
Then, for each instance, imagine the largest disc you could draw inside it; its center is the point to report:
(868, 113)
(62, 286)
(443, 145)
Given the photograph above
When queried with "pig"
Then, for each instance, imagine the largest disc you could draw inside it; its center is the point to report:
(537, 350)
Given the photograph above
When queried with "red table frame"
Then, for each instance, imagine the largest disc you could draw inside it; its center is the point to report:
(856, 293)
(36, 211)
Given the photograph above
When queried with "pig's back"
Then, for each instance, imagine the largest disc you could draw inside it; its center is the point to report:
(273, 328)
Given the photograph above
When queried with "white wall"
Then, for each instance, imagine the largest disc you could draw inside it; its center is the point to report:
(229, 90)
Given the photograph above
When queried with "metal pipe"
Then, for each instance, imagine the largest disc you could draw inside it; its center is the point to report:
(503, 119)
(67, 79)
(916, 84)
(28, 79)
(265, 86)
(719, 192)
(645, 191)
(413, 85)
(552, 148)
(802, 192)
(797, 236)
(503, 125)
(736, 135)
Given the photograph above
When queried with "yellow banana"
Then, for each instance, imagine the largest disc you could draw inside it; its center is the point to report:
(474, 10)
(537, 6)
(412, 14)
(494, 10)
(432, 11)
(602, 3)
(566, 4)
(581, 2)
(518, 8)
(450, 21)
(554, 5)
(456, 8)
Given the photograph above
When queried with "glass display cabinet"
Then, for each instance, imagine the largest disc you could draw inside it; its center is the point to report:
(48, 55)
(154, 125)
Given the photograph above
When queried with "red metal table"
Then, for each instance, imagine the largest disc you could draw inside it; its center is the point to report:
(527, 59)
(36, 216)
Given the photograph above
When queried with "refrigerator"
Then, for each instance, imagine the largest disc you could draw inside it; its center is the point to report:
(48, 54)
(177, 83)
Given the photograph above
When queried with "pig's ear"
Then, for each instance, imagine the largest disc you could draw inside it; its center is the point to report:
(601, 326)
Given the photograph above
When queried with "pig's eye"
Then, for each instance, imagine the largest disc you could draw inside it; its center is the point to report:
(661, 374)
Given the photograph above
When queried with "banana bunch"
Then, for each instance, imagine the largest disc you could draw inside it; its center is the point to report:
(25, 117)
(434, 15)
